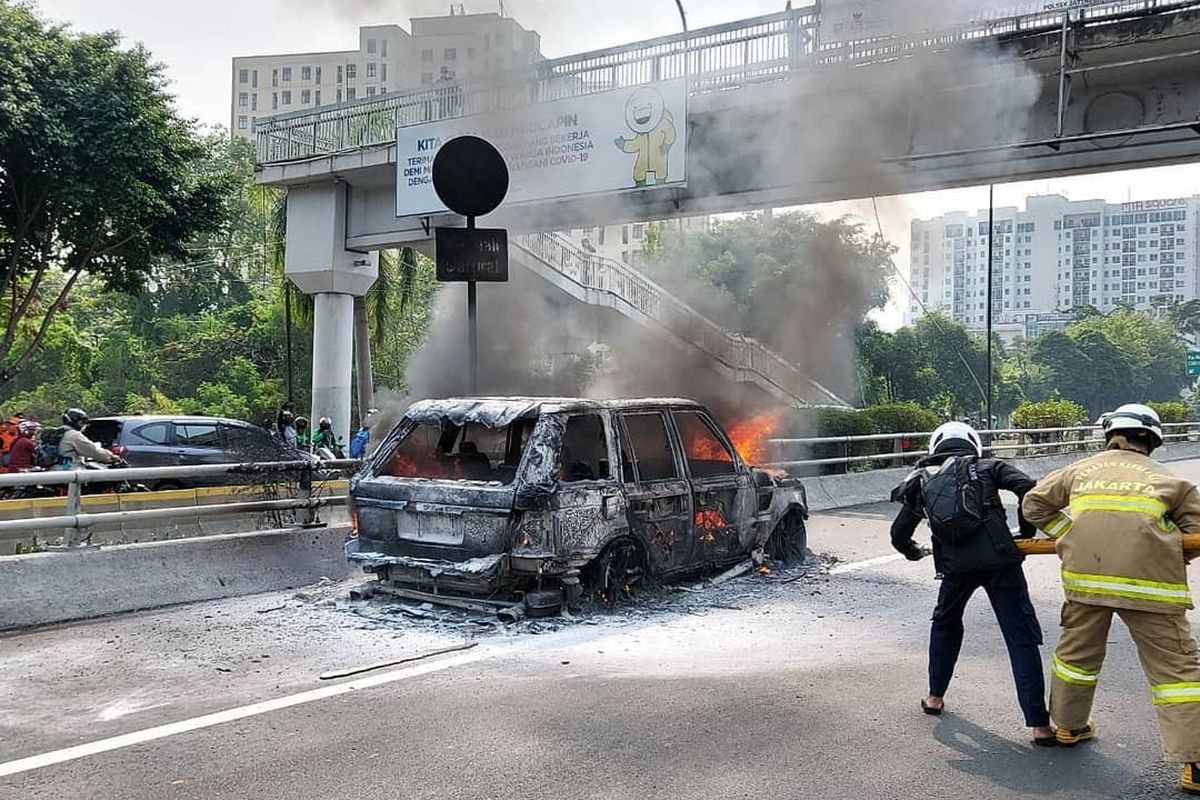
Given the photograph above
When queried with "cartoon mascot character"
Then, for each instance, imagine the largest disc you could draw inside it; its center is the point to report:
(654, 133)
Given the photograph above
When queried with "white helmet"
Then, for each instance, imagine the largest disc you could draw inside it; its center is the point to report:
(1134, 417)
(955, 433)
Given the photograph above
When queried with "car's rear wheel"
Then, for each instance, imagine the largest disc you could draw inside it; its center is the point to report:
(615, 574)
(788, 543)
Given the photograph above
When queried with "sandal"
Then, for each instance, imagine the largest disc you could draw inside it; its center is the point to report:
(1045, 741)
(932, 710)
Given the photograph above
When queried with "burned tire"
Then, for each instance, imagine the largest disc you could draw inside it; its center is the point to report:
(788, 543)
(616, 572)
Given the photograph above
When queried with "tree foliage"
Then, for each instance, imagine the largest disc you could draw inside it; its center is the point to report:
(99, 177)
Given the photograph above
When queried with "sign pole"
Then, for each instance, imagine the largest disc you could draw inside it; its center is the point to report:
(472, 327)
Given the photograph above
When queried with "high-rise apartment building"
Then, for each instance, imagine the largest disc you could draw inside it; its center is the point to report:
(388, 59)
(1054, 256)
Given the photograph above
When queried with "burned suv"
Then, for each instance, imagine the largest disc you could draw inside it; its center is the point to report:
(511, 496)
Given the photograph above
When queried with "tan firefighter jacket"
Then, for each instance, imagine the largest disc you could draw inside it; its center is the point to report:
(1118, 516)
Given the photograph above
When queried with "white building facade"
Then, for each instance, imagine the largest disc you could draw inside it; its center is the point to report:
(1055, 256)
(388, 59)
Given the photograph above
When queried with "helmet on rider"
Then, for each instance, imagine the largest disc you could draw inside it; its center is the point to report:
(325, 424)
(27, 428)
(955, 435)
(1136, 422)
(75, 418)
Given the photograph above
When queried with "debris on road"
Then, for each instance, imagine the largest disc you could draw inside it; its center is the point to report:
(345, 673)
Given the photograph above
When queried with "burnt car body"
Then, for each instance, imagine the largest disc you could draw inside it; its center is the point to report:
(481, 496)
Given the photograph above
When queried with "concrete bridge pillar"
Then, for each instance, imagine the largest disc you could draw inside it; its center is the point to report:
(319, 264)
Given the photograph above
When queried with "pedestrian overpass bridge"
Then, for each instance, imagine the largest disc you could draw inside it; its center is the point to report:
(774, 117)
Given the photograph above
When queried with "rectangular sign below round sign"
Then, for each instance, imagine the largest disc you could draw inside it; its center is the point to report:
(471, 254)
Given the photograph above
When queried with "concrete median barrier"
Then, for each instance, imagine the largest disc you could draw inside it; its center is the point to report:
(57, 586)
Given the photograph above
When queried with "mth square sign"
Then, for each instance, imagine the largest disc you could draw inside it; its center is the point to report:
(472, 254)
(1193, 362)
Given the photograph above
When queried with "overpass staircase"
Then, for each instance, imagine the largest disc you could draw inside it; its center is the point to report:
(599, 281)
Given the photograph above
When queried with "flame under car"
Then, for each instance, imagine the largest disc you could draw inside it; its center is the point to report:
(504, 497)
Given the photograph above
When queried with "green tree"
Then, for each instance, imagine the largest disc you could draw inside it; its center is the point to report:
(97, 174)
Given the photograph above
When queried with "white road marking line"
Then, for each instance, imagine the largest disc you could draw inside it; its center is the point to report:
(233, 714)
(855, 566)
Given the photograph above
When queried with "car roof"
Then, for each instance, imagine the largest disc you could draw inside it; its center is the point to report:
(167, 418)
(498, 412)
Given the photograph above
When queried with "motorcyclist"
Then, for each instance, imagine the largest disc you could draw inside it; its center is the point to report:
(325, 439)
(75, 447)
(20, 458)
(303, 435)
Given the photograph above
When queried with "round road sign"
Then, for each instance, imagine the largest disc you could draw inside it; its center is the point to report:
(470, 176)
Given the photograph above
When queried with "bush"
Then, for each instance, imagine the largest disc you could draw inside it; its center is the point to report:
(1050, 414)
(902, 418)
(1172, 411)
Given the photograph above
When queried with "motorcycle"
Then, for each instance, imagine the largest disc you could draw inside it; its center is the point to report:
(107, 487)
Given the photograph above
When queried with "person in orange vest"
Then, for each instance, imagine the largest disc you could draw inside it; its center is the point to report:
(1118, 517)
(8, 435)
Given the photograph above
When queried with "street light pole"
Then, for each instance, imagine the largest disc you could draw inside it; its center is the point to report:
(682, 14)
(990, 265)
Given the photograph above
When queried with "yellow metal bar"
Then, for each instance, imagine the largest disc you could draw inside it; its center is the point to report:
(1037, 547)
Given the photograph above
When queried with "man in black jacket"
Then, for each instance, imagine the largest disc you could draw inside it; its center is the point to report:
(958, 492)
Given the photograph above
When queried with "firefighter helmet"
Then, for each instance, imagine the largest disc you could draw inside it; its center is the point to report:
(1132, 418)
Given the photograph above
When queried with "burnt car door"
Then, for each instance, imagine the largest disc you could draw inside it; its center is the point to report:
(589, 507)
(723, 498)
(660, 502)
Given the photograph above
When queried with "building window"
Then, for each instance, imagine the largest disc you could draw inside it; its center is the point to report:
(372, 70)
(243, 99)
(254, 79)
(306, 96)
(254, 102)
(243, 76)
(383, 90)
(427, 55)
(243, 123)
(383, 72)
(372, 46)
(351, 71)
(339, 80)
(351, 93)
(450, 54)
(274, 101)
(339, 95)
(383, 48)
(287, 97)
(370, 91)
(318, 80)
(274, 77)
(287, 74)
(306, 73)
(317, 97)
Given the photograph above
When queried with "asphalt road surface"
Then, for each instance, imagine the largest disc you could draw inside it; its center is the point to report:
(807, 689)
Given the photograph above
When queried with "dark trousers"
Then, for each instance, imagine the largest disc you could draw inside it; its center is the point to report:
(1009, 595)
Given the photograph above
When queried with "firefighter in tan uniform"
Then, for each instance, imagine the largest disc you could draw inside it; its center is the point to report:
(1118, 518)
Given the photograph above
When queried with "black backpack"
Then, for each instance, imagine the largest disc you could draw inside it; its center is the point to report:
(954, 502)
(45, 455)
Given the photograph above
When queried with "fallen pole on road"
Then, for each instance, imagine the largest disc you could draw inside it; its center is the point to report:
(345, 673)
(1039, 547)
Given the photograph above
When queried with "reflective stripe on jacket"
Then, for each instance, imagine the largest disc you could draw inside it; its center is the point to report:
(1117, 517)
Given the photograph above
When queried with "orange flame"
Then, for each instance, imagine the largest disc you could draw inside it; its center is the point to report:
(750, 436)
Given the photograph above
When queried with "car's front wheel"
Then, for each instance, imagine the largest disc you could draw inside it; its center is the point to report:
(788, 543)
(616, 572)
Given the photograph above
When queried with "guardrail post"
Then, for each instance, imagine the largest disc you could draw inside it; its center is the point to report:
(308, 512)
(74, 507)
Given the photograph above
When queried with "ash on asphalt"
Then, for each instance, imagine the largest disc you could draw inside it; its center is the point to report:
(648, 603)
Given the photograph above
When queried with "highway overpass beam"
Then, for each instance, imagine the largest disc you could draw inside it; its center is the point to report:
(320, 265)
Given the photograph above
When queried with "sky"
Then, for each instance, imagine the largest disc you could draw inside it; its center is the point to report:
(195, 42)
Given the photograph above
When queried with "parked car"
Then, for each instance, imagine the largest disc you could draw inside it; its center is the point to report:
(173, 441)
(502, 496)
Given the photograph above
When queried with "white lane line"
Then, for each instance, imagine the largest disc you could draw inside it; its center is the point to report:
(855, 566)
(233, 714)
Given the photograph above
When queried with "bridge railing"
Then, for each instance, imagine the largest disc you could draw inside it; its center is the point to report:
(746, 51)
(878, 451)
(742, 354)
(306, 502)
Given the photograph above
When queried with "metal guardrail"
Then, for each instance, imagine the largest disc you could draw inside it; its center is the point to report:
(747, 357)
(1086, 438)
(74, 520)
(738, 53)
